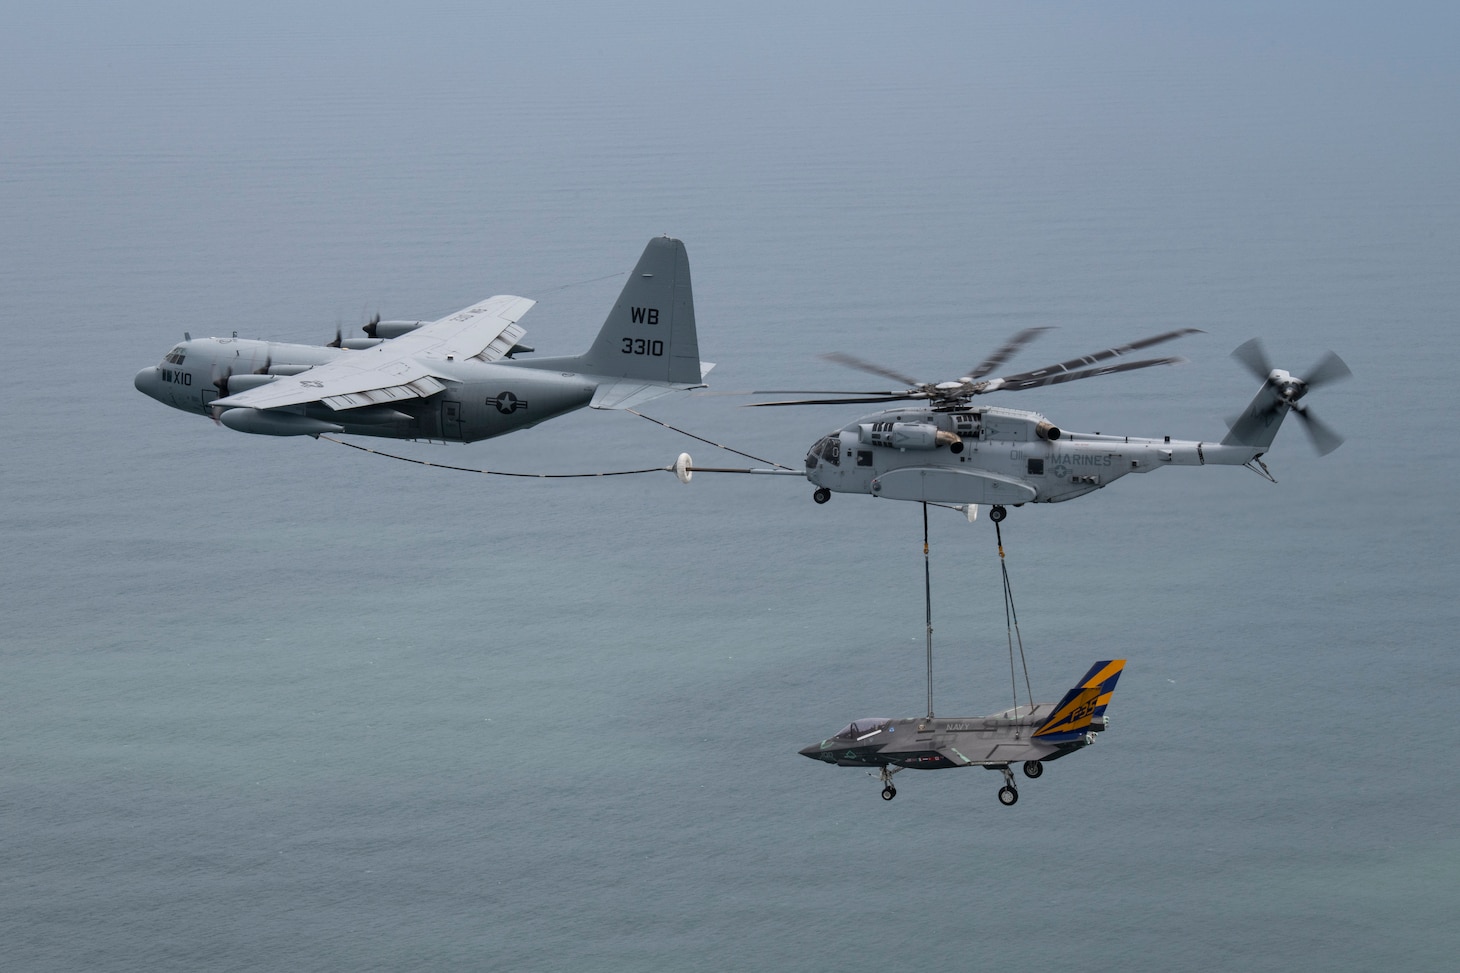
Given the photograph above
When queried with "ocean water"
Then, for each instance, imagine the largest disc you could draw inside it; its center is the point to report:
(277, 704)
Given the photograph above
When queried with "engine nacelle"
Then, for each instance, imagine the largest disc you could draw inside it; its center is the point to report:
(392, 329)
(242, 383)
(360, 344)
(906, 435)
(262, 423)
(1047, 430)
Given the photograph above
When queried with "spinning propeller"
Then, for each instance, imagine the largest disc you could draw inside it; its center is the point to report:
(220, 382)
(950, 395)
(1290, 388)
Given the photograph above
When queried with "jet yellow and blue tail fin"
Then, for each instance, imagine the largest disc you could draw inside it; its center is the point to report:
(1072, 715)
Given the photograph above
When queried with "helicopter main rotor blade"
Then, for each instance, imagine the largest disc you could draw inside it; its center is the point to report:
(820, 392)
(1006, 352)
(1330, 368)
(880, 398)
(1099, 356)
(861, 364)
(1035, 380)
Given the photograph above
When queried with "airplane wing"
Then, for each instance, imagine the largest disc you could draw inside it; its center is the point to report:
(399, 368)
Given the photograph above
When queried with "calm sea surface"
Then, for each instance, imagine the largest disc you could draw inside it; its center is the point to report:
(276, 704)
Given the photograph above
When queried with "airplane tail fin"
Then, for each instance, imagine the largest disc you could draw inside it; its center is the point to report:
(649, 336)
(1082, 704)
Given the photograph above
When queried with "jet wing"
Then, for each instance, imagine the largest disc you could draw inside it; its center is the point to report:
(399, 368)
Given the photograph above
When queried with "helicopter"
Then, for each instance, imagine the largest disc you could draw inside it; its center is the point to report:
(943, 449)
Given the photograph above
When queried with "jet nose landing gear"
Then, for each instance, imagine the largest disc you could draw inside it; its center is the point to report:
(888, 791)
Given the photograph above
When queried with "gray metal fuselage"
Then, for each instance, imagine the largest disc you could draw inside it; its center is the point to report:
(994, 741)
(992, 455)
(482, 399)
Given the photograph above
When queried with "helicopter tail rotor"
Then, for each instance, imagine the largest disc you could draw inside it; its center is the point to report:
(1281, 392)
(1324, 439)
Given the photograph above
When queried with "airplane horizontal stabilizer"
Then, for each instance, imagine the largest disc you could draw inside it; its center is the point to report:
(628, 395)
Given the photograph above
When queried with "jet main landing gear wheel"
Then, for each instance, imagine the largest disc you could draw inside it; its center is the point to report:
(1008, 794)
(1033, 768)
(821, 495)
(889, 792)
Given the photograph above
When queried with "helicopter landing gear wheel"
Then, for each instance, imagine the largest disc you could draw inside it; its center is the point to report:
(1033, 768)
(889, 792)
(821, 495)
(997, 513)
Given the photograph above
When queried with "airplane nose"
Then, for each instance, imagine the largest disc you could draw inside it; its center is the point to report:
(813, 751)
(144, 380)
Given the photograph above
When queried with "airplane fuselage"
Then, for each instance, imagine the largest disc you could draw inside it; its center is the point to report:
(938, 744)
(991, 455)
(481, 399)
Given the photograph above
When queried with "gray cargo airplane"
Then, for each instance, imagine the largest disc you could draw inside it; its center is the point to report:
(452, 380)
(1034, 734)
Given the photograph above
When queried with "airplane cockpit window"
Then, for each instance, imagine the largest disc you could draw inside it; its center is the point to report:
(862, 728)
(174, 357)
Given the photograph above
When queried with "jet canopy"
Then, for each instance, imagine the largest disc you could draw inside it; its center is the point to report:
(858, 729)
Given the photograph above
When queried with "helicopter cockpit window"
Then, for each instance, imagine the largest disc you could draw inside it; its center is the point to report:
(174, 357)
(830, 449)
(858, 729)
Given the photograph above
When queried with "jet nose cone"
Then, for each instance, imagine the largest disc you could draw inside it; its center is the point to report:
(813, 751)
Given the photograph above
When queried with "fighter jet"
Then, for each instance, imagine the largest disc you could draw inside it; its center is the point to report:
(1034, 734)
